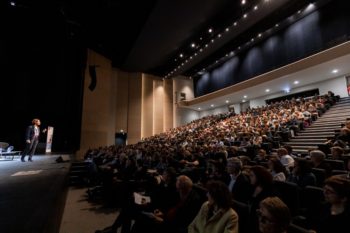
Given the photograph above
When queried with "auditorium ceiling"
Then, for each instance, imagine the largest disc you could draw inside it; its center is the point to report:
(161, 37)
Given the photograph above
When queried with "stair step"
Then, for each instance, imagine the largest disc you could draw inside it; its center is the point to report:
(308, 140)
(303, 143)
(317, 136)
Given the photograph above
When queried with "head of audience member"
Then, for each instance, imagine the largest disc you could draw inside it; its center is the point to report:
(274, 216)
(234, 166)
(337, 191)
(275, 166)
(169, 176)
(289, 149)
(219, 196)
(260, 177)
(282, 152)
(261, 154)
(337, 152)
(302, 167)
(317, 157)
(184, 186)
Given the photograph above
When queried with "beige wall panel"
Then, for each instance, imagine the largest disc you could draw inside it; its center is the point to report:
(147, 106)
(121, 99)
(168, 104)
(98, 105)
(134, 113)
(158, 107)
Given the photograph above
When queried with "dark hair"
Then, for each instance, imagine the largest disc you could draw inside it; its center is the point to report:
(278, 166)
(263, 176)
(278, 210)
(340, 185)
(303, 166)
(219, 193)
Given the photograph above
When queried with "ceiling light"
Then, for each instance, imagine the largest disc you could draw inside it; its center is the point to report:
(296, 82)
(227, 101)
(212, 105)
(255, 8)
(267, 90)
(335, 71)
(259, 35)
(219, 35)
(193, 45)
(181, 55)
(245, 96)
(276, 25)
(206, 45)
(199, 108)
(212, 40)
(243, 2)
(245, 16)
(227, 29)
(243, 101)
(210, 30)
(12, 3)
(235, 24)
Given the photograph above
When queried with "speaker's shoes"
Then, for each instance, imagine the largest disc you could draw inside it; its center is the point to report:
(30, 160)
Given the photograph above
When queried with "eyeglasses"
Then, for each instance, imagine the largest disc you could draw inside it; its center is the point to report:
(263, 218)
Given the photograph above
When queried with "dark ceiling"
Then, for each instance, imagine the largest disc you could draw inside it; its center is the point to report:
(149, 35)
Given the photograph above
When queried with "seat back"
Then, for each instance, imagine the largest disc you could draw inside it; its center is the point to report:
(336, 164)
(320, 175)
(242, 210)
(289, 193)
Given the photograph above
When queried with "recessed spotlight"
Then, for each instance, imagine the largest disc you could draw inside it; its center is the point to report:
(296, 82)
(259, 35)
(243, 2)
(193, 45)
(267, 90)
(245, 16)
(335, 71)
(243, 101)
(235, 24)
(210, 30)
(212, 105)
(276, 25)
(245, 97)
(206, 45)
(227, 101)
(212, 40)
(181, 55)
(219, 35)
(299, 11)
(255, 8)
(12, 3)
(227, 29)
(199, 108)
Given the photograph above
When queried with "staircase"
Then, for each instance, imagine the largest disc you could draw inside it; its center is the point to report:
(78, 174)
(323, 127)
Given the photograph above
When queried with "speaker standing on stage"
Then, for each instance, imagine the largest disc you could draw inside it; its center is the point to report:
(32, 139)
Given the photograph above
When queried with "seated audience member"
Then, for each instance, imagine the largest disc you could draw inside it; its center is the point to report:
(336, 214)
(302, 175)
(238, 183)
(261, 156)
(317, 158)
(273, 215)
(177, 218)
(337, 152)
(131, 211)
(278, 171)
(216, 215)
(286, 159)
(262, 180)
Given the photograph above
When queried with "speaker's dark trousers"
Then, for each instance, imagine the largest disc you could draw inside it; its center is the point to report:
(30, 148)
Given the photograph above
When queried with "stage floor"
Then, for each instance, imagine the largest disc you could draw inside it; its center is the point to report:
(32, 194)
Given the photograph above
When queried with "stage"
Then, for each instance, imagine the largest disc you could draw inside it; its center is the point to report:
(32, 194)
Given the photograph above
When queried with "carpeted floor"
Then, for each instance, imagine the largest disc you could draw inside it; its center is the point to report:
(82, 216)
